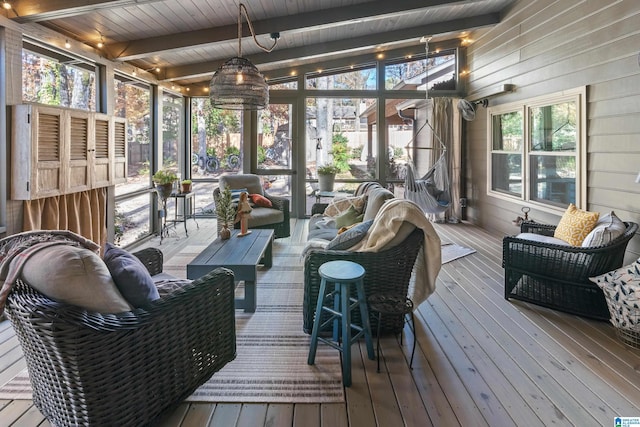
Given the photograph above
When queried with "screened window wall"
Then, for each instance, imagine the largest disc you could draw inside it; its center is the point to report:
(216, 149)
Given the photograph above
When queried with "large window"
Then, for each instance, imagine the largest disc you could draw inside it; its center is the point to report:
(362, 78)
(49, 78)
(540, 158)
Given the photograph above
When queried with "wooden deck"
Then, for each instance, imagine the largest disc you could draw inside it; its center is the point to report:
(480, 361)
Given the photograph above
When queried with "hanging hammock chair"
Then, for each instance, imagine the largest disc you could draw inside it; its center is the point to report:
(431, 192)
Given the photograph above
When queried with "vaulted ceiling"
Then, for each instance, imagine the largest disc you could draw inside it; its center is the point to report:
(189, 39)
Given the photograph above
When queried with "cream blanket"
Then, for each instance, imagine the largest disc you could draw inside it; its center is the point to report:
(386, 226)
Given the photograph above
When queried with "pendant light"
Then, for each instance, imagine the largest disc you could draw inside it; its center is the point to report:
(237, 84)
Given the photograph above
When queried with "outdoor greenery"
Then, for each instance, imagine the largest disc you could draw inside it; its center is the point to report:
(340, 152)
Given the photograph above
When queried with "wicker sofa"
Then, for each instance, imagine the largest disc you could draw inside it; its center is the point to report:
(557, 276)
(277, 217)
(124, 369)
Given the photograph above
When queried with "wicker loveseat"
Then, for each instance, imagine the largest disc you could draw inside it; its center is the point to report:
(387, 272)
(557, 276)
(277, 217)
(124, 369)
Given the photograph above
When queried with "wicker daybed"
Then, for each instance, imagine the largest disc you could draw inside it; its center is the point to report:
(124, 369)
(557, 276)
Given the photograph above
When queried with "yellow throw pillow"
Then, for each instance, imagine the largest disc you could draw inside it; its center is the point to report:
(575, 224)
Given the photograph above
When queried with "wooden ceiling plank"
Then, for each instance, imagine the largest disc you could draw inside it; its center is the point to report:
(137, 49)
(209, 67)
(31, 11)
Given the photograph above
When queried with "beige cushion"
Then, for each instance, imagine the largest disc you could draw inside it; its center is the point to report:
(265, 216)
(575, 224)
(74, 275)
(608, 228)
(339, 206)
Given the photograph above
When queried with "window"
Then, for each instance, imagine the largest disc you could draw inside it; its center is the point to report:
(539, 159)
(54, 78)
(411, 74)
(363, 78)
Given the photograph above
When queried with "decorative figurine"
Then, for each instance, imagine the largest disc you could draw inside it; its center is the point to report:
(244, 209)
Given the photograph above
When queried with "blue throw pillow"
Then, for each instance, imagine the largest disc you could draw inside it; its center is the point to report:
(344, 241)
(130, 276)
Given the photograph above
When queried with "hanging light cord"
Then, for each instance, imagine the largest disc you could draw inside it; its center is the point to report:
(426, 91)
(242, 8)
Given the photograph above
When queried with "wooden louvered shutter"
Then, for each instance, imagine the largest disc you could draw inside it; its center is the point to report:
(79, 167)
(102, 163)
(120, 150)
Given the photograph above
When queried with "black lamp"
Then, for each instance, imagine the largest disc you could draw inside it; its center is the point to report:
(237, 84)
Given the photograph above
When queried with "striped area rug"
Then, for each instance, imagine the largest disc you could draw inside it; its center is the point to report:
(271, 363)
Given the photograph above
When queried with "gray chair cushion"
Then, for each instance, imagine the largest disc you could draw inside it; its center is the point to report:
(323, 233)
(249, 181)
(264, 216)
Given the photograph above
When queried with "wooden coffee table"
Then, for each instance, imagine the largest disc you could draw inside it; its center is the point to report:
(241, 255)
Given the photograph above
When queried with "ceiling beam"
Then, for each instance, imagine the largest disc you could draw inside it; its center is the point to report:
(370, 41)
(138, 49)
(37, 11)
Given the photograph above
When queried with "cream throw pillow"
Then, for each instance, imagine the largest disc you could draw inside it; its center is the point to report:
(342, 205)
(74, 275)
(575, 224)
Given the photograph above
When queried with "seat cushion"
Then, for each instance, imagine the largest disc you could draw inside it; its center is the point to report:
(265, 216)
(575, 224)
(130, 276)
(74, 275)
(541, 238)
(608, 228)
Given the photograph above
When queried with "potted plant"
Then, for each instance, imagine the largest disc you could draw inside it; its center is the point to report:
(226, 213)
(327, 176)
(164, 179)
(186, 185)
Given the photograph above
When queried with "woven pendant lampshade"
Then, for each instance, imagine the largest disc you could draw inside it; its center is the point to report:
(238, 85)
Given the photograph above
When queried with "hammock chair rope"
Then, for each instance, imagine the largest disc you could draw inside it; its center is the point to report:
(431, 192)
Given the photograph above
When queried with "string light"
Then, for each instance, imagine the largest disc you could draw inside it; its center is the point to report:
(6, 5)
(67, 44)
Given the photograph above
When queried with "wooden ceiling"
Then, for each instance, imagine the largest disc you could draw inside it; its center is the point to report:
(189, 39)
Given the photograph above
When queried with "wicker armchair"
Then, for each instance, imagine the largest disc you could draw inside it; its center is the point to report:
(124, 370)
(557, 276)
(257, 217)
(387, 272)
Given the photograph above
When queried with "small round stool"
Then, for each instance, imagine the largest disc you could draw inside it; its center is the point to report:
(342, 274)
(382, 304)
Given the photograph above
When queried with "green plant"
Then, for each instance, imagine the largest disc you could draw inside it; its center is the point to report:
(225, 209)
(340, 151)
(328, 169)
(185, 181)
(165, 176)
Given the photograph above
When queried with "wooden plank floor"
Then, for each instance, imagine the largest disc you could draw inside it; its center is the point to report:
(480, 360)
